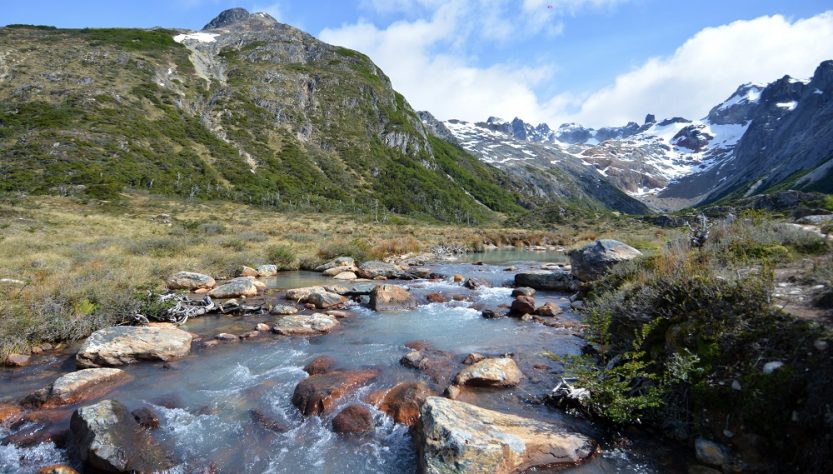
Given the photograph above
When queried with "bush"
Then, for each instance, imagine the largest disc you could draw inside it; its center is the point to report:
(356, 248)
(283, 256)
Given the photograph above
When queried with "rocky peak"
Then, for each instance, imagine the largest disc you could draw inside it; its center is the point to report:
(650, 119)
(437, 128)
(739, 108)
(783, 91)
(823, 77)
(673, 120)
(234, 16)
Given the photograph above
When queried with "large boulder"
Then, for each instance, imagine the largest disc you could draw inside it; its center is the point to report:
(267, 270)
(391, 298)
(593, 260)
(336, 262)
(317, 394)
(558, 280)
(495, 372)
(122, 345)
(305, 325)
(336, 270)
(402, 402)
(456, 437)
(353, 419)
(109, 439)
(376, 269)
(190, 281)
(522, 305)
(242, 286)
(324, 299)
(80, 385)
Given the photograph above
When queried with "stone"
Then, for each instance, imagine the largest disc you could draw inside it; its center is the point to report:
(457, 437)
(592, 261)
(376, 269)
(84, 384)
(336, 270)
(146, 418)
(353, 419)
(320, 365)
(491, 314)
(301, 294)
(122, 345)
(403, 401)
(57, 469)
(250, 335)
(546, 280)
(473, 358)
(495, 372)
(549, 310)
(107, 438)
(391, 298)
(700, 469)
(262, 327)
(324, 299)
(346, 276)
(358, 289)
(336, 262)
(268, 422)
(267, 270)
(522, 305)
(305, 325)
(457, 278)
(226, 337)
(475, 283)
(17, 360)
(436, 298)
(772, 366)
(234, 288)
(709, 452)
(523, 291)
(338, 314)
(283, 310)
(190, 281)
(9, 413)
(453, 392)
(317, 394)
(245, 271)
(435, 364)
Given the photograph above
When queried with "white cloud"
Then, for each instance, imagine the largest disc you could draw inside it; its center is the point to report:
(707, 68)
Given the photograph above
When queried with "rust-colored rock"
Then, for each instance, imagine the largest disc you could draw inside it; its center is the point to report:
(549, 310)
(436, 298)
(57, 469)
(523, 305)
(17, 360)
(317, 394)
(9, 413)
(402, 402)
(320, 365)
(353, 419)
(473, 358)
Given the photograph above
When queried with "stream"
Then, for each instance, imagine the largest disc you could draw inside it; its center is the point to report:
(204, 400)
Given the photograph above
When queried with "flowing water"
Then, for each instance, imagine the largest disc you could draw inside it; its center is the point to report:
(205, 400)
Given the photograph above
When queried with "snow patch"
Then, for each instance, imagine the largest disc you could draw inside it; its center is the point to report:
(198, 36)
(790, 106)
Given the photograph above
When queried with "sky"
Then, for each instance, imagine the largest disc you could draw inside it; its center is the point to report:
(594, 62)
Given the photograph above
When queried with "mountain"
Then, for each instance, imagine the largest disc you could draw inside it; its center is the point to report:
(247, 109)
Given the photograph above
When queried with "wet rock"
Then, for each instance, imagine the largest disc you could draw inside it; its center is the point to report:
(375, 269)
(457, 278)
(336, 262)
(301, 294)
(262, 327)
(436, 298)
(245, 271)
(417, 345)
(557, 280)
(473, 358)
(435, 364)
(711, 453)
(122, 345)
(210, 343)
(549, 310)
(346, 276)
(107, 438)
(339, 314)
(305, 325)
(283, 309)
(226, 337)
(146, 418)
(336, 270)
(9, 413)
(17, 360)
(458, 437)
(593, 260)
(475, 283)
(496, 372)
(317, 394)
(459, 297)
(523, 305)
(57, 469)
(491, 314)
(81, 385)
(234, 288)
(358, 289)
(268, 422)
(452, 392)
(320, 365)
(391, 298)
(249, 335)
(324, 299)
(267, 270)
(523, 291)
(190, 281)
(700, 469)
(35, 434)
(353, 419)
(402, 402)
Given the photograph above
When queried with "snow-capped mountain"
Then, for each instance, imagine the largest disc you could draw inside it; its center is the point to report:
(677, 162)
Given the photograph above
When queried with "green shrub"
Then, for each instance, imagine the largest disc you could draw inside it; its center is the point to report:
(283, 256)
(357, 248)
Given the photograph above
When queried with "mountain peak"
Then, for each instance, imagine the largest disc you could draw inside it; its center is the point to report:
(233, 16)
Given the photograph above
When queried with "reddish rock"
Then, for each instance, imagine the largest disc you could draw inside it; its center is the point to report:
(436, 298)
(458, 278)
(523, 305)
(435, 364)
(247, 272)
(57, 469)
(549, 309)
(473, 358)
(268, 422)
(317, 394)
(353, 419)
(263, 327)
(250, 335)
(9, 413)
(320, 365)
(391, 298)
(417, 345)
(459, 297)
(17, 360)
(146, 418)
(34, 435)
(402, 402)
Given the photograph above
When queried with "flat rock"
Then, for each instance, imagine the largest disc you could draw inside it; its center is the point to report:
(523, 290)
(358, 289)
(122, 345)
(317, 394)
(9, 413)
(494, 372)
(376, 269)
(324, 299)
(300, 294)
(305, 325)
(546, 280)
(391, 298)
(347, 276)
(85, 384)
(353, 419)
(592, 261)
(283, 309)
(336, 270)
(336, 262)
(109, 439)
(456, 437)
(17, 360)
(237, 287)
(548, 309)
(190, 281)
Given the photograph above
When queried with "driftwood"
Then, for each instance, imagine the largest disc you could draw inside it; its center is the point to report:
(699, 235)
(183, 309)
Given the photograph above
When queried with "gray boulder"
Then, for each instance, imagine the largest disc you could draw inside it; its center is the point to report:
(336, 262)
(267, 270)
(594, 260)
(496, 372)
(121, 345)
(324, 299)
(558, 280)
(190, 281)
(375, 269)
(391, 298)
(242, 286)
(305, 325)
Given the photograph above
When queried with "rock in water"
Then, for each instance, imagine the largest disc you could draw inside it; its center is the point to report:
(305, 325)
(457, 437)
(122, 345)
(190, 281)
(336, 262)
(84, 384)
(267, 270)
(320, 365)
(353, 419)
(593, 260)
(375, 269)
(242, 286)
(558, 280)
(549, 309)
(324, 299)
(108, 439)
(496, 372)
(317, 394)
(523, 305)
(402, 402)
(391, 298)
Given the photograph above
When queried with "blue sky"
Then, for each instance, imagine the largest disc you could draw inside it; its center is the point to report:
(600, 62)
